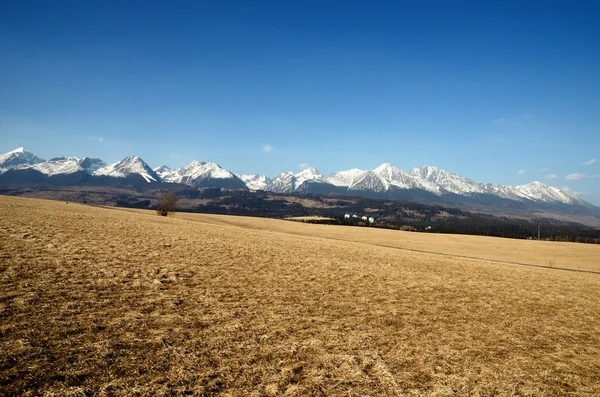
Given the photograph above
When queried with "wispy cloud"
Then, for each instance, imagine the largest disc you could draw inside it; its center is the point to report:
(574, 177)
(525, 118)
(551, 176)
(545, 169)
(572, 192)
(267, 148)
(97, 139)
(303, 166)
(578, 177)
(522, 171)
(591, 162)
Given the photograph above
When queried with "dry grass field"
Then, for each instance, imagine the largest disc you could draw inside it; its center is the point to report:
(100, 301)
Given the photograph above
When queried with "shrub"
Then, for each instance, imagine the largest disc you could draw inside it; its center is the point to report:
(166, 204)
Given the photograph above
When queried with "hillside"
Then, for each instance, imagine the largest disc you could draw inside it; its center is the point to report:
(387, 213)
(119, 302)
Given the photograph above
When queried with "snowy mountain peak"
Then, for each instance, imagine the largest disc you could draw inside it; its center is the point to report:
(309, 174)
(129, 166)
(283, 183)
(17, 157)
(369, 181)
(255, 182)
(343, 178)
(200, 174)
(199, 169)
(162, 168)
(400, 179)
(54, 167)
(387, 170)
(194, 164)
(384, 167)
(539, 191)
(167, 174)
(310, 171)
(428, 172)
(447, 182)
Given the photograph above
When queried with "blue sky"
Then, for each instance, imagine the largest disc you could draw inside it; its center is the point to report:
(501, 92)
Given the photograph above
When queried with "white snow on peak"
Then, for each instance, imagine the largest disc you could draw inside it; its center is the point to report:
(447, 182)
(254, 182)
(56, 167)
(400, 179)
(199, 169)
(162, 168)
(282, 183)
(288, 182)
(194, 173)
(309, 174)
(17, 157)
(128, 166)
(384, 178)
(538, 191)
(343, 178)
(369, 181)
(167, 174)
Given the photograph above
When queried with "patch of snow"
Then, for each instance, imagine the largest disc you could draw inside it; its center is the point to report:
(51, 168)
(344, 178)
(254, 182)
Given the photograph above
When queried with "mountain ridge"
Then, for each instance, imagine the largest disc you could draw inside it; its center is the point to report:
(385, 179)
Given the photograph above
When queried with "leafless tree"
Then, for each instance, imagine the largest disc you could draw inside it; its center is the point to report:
(166, 204)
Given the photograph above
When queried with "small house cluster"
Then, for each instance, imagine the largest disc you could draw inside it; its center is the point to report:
(355, 217)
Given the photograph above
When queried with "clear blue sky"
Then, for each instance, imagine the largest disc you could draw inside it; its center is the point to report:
(498, 91)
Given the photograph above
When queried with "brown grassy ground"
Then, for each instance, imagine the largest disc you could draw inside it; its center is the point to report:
(544, 253)
(111, 302)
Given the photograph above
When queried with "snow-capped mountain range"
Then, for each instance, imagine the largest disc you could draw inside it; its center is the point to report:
(18, 165)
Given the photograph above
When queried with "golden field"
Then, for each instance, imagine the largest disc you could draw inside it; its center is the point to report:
(102, 301)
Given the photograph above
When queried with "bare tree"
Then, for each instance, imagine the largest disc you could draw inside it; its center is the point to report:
(166, 204)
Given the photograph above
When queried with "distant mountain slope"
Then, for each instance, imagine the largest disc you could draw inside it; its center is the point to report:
(91, 165)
